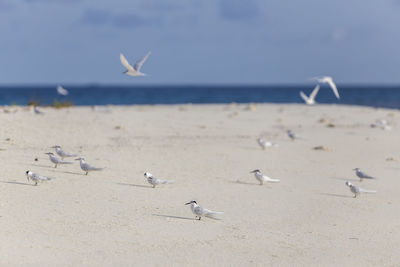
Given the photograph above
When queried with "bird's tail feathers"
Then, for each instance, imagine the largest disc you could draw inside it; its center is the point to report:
(213, 214)
(273, 180)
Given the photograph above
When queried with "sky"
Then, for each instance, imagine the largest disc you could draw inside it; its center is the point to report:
(200, 41)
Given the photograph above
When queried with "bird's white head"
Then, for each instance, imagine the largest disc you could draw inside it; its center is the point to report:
(356, 169)
(348, 183)
(191, 202)
(80, 158)
(255, 171)
(147, 175)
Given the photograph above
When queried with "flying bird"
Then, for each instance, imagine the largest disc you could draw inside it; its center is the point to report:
(311, 99)
(62, 91)
(135, 70)
(328, 80)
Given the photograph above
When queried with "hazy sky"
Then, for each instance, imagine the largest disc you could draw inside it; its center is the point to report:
(200, 41)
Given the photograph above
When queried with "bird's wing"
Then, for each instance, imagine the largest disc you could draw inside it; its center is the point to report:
(305, 98)
(364, 175)
(125, 62)
(140, 62)
(334, 88)
(198, 210)
(314, 92)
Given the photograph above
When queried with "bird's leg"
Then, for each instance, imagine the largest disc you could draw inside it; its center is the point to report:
(86, 173)
(355, 195)
(199, 218)
(154, 186)
(55, 166)
(35, 183)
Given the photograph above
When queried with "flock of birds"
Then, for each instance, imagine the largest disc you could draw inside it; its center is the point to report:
(196, 209)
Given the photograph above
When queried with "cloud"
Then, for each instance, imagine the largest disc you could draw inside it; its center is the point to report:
(238, 9)
(120, 20)
(133, 20)
(95, 16)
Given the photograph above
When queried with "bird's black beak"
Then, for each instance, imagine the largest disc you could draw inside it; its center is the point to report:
(187, 203)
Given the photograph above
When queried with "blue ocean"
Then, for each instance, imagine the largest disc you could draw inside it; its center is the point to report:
(374, 96)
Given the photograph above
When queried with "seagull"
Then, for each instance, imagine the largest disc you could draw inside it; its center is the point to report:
(357, 190)
(263, 178)
(328, 80)
(362, 175)
(86, 167)
(56, 160)
(264, 144)
(291, 134)
(155, 181)
(62, 153)
(62, 91)
(311, 99)
(135, 70)
(199, 211)
(36, 177)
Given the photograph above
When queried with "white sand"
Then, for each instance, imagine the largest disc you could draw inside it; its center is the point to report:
(114, 217)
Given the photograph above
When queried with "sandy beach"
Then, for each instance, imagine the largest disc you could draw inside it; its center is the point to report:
(115, 218)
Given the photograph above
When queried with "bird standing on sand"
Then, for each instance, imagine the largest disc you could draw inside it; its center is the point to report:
(264, 144)
(362, 175)
(155, 181)
(135, 70)
(199, 211)
(62, 153)
(328, 80)
(311, 99)
(263, 178)
(291, 134)
(86, 167)
(36, 177)
(56, 160)
(357, 190)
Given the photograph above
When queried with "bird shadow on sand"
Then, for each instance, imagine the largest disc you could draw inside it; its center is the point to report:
(75, 173)
(136, 185)
(344, 179)
(43, 166)
(245, 183)
(174, 217)
(18, 183)
(251, 148)
(335, 195)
